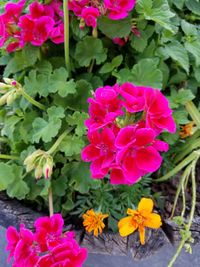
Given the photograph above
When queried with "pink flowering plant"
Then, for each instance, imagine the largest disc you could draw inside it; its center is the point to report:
(98, 102)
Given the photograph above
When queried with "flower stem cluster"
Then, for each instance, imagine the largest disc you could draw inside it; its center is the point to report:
(125, 122)
(42, 22)
(47, 246)
(41, 162)
(89, 10)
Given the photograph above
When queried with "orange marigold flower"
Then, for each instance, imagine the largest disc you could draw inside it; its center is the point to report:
(186, 130)
(139, 219)
(93, 221)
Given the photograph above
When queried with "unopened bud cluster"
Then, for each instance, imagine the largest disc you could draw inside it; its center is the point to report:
(9, 90)
(41, 162)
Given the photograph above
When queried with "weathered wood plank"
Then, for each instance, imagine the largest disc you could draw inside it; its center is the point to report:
(12, 212)
(154, 241)
(106, 243)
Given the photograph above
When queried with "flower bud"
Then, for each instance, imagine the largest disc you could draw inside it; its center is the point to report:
(8, 81)
(3, 99)
(11, 98)
(48, 167)
(32, 159)
(38, 172)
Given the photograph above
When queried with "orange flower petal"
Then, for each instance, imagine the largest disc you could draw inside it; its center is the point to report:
(153, 221)
(126, 226)
(145, 205)
(142, 235)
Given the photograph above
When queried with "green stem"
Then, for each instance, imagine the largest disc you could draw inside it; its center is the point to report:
(32, 101)
(66, 34)
(182, 243)
(187, 149)
(180, 166)
(91, 66)
(194, 112)
(59, 140)
(3, 156)
(182, 180)
(50, 195)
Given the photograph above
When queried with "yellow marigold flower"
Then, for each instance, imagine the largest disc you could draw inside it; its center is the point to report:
(186, 130)
(93, 221)
(139, 219)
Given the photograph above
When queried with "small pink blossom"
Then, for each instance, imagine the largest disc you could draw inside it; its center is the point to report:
(119, 41)
(57, 34)
(136, 154)
(90, 15)
(101, 152)
(119, 9)
(77, 6)
(158, 113)
(49, 246)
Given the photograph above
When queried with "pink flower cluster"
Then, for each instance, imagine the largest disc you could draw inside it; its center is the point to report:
(123, 127)
(90, 10)
(48, 246)
(43, 22)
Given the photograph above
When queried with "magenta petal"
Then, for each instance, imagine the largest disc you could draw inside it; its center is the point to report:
(108, 138)
(117, 176)
(96, 169)
(166, 123)
(144, 136)
(90, 153)
(125, 136)
(132, 173)
(148, 159)
(161, 145)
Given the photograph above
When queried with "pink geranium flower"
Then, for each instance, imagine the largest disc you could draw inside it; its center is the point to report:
(66, 254)
(21, 246)
(90, 15)
(57, 34)
(35, 31)
(119, 9)
(48, 231)
(104, 109)
(158, 113)
(101, 152)
(77, 6)
(8, 23)
(136, 154)
(28, 249)
(133, 96)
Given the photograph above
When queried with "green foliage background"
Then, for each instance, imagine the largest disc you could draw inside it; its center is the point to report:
(166, 56)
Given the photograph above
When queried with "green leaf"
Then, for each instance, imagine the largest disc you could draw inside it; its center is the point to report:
(78, 119)
(157, 11)
(46, 130)
(110, 66)
(139, 43)
(80, 178)
(9, 126)
(115, 28)
(179, 3)
(55, 113)
(193, 5)
(71, 145)
(177, 52)
(60, 186)
(181, 116)
(78, 101)
(22, 59)
(18, 189)
(90, 49)
(193, 46)
(43, 81)
(188, 28)
(145, 73)
(6, 176)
